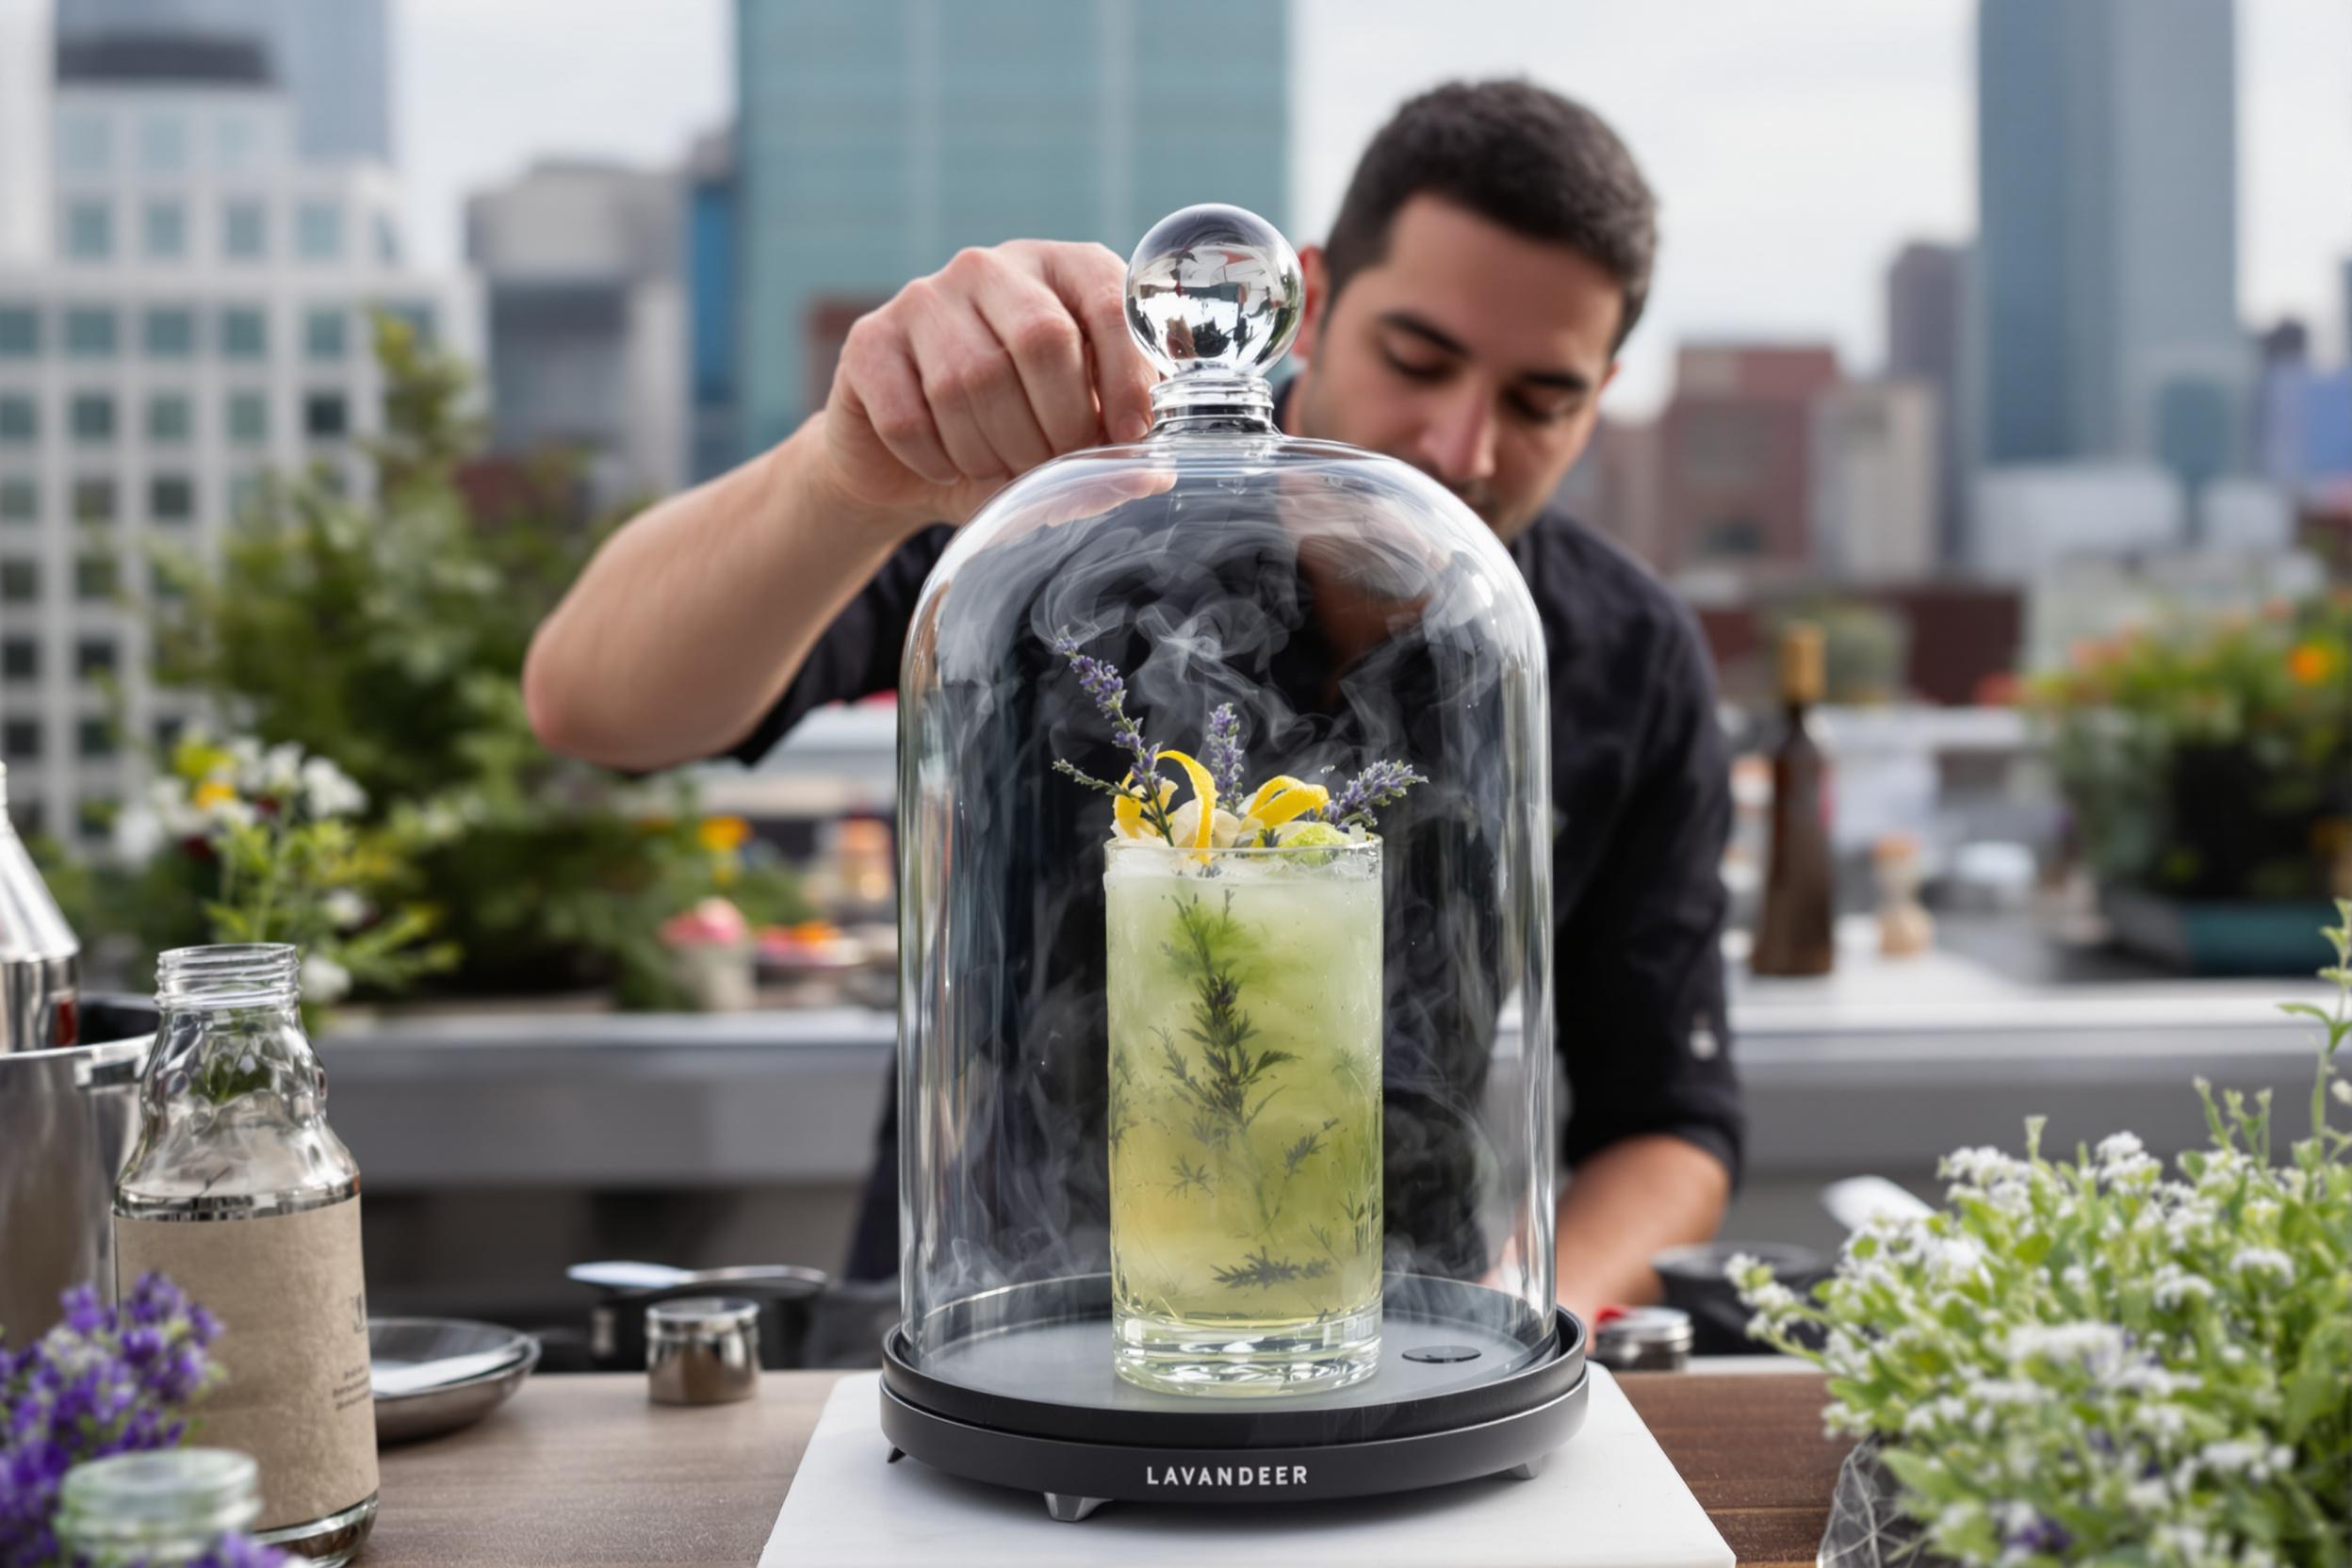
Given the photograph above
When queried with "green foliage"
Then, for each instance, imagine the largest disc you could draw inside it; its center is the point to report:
(2090, 1361)
(2260, 703)
(389, 635)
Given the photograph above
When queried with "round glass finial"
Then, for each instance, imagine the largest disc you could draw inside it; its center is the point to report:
(1213, 289)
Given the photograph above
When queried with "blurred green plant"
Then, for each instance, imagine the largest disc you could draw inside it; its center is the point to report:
(2211, 757)
(388, 635)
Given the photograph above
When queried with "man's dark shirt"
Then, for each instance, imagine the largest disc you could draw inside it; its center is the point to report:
(1641, 808)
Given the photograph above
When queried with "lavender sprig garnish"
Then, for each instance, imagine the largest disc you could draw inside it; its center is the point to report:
(1221, 753)
(1377, 785)
(1104, 683)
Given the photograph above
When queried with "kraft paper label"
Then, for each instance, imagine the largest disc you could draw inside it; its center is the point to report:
(293, 1308)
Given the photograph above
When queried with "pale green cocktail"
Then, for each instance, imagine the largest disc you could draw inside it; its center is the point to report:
(1245, 1115)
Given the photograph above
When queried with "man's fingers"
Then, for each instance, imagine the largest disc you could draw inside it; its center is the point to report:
(883, 389)
(1092, 283)
(1048, 353)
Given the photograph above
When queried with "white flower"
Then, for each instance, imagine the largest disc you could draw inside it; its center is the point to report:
(2341, 1090)
(2116, 1147)
(328, 792)
(2233, 1456)
(2263, 1260)
(2096, 1347)
(274, 772)
(324, 980)
(345, 908)
(1736, 1271)
(138, 832)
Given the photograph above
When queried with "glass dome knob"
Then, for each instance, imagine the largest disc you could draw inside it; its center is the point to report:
(1213, 289)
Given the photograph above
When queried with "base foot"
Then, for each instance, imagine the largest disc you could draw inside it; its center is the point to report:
(1069, 1509)
(1528, 1470)
(896, 1454)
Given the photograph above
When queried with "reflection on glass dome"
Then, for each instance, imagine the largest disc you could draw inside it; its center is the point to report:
(1241, 1078)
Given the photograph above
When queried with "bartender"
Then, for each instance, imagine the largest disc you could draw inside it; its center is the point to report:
(1490, 257)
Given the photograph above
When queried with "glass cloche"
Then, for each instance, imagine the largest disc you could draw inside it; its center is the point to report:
(1226, 1101)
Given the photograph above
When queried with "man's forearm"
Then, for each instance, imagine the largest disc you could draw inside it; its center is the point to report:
(1628, 1202)
(695, 616)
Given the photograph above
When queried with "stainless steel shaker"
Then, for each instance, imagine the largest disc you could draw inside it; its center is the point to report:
(69, 1080)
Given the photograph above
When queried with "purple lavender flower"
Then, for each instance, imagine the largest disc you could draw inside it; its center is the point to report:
(2043, 1534)
(1102, 682)
(103, 1382)
(1377, 785)
(1221, 753)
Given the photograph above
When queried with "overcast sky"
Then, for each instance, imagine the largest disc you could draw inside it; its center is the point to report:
(1795, 143)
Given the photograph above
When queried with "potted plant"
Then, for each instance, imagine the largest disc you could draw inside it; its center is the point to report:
(2094, 1360)
(2208, 764)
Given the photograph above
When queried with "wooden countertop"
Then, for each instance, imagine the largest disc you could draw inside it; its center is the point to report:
(582, 1469)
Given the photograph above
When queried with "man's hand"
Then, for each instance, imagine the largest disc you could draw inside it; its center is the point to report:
(1626, 1203)
(1001, 360)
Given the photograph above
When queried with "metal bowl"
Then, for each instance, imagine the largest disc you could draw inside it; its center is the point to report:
(435, 1375)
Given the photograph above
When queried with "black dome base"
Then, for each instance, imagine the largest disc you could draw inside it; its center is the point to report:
(1428, 1420)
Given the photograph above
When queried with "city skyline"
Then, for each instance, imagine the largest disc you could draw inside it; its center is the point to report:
(1706, 103)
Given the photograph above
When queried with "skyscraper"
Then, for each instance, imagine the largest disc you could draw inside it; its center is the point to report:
(1924, 314)
(2107, 212)
(580, 260)
(333, 55)
(879, 137)
(202, 321)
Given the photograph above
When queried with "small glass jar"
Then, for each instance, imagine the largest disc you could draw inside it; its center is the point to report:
(156, 1509)
(240, 1192)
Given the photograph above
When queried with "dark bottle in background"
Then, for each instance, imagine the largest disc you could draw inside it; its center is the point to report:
(1794, 934)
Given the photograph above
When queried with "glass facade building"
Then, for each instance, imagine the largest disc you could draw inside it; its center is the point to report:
(879, 137)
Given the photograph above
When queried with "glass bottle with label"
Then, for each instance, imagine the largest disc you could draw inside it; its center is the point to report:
(239, 1191)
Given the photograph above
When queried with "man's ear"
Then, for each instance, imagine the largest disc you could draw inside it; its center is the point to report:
(1318, 297)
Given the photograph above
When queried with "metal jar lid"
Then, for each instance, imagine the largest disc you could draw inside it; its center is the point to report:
(702, 1350)
(1642, 1339)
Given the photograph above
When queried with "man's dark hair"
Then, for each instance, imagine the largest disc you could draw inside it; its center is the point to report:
(1518, 155)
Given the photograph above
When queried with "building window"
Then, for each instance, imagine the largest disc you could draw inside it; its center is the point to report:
(318, 231)
(20, 659)
(248, 416)
(244, 230)
(164, 231)
(167, 729)
(171, 498)
(20, 582)
(245, 492)
(96, 813)
(19, 419)
(387, 242)
(325, 417)
(85, 143)
(94, 579)
(236, 143)
(163, 144)
(20, 740)
(244, 332)
(93, 739)
(93, 500)
(94, 657)
(19, 499)
(92, 417)
(88, 231)
(323, 333)
(166, 579)
(171, 332)
(169, 417)
(19, 332)
(418, 314)
(90, 333)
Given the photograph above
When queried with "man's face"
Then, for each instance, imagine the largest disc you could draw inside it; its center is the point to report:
(1474, 353)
